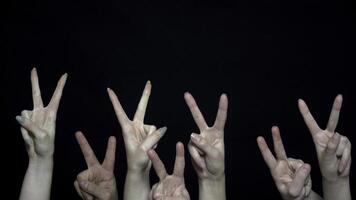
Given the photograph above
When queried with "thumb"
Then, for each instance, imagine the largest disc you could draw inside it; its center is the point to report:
(91, 188)
(332, 145)
(202, 144)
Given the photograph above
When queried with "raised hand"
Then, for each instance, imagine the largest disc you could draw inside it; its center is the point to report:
(98, 181)
(138, 138)
(291, 176)
(333, 151)
(169, 187)
(38, 128)
(39, 125)
(207, 150)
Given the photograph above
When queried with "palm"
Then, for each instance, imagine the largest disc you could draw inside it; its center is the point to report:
(322, 138)
(38, 125)
(214, 136)
(171, 186)
(284, 173)
(101, 176)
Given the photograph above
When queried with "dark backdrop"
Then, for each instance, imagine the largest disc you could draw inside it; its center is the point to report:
(263, 54)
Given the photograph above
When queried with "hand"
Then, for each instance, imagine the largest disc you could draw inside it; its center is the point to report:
(292, 177)
(207, 148)
(138, 137)
(98, 181)
(39, 125)
(333, 149)
(169, 187)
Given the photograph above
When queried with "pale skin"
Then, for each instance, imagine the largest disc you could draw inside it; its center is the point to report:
(169, 187)
(98, 181)
(38, 128)
(207, 150)
(139, 138)
(291, 176)
(333, 151)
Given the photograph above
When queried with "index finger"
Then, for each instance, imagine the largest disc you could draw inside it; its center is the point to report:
(194, 109)
(36, 92)
(56, 98)
(157, 164)
(266, 153)
(88, 153)
(180, 161)
(141, 108)
(119, 111)
(308, 117)
(222, 113)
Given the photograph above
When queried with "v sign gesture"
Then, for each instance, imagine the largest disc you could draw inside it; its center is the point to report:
(207, 150)
(38, 129)
(333, 151)
(138, 138)
(38, 126)
(169, 187)
(291, 176)
(98, 181)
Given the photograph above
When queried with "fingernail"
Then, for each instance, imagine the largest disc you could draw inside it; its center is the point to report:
(194, 137)
(305, 168)
(163, 130)
(83, 184)
(20, 119)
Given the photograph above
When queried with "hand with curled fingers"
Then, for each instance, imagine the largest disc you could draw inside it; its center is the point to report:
(291, 176)
(207, 150)
(98, 181)
(38, 129)
(333, 151)
(139, 138)
(169, 187)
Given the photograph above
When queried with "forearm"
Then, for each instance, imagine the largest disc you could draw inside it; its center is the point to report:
(137, 185)
(212, 189)
(339, 189)
(38, 179)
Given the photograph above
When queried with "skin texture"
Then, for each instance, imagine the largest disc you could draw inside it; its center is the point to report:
(333, 151)
(138, 138)
(38, 128)
(291, 176)
(98, 181)
(207, 150)
(169, 187)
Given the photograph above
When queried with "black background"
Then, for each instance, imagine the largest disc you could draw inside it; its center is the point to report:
(263, 54)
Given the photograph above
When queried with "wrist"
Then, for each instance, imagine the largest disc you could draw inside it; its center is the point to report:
(212, 181)
(135, 174)
(41, 163)
(212, 188)
(210, 178)
(340, 181)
